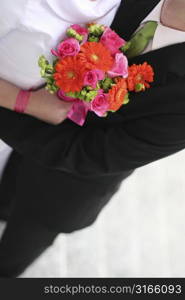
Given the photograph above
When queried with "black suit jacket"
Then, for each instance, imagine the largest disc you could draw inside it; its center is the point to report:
(80, 168)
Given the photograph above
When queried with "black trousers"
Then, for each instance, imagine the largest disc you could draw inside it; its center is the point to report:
(24, 238)
(23, 241)
(47, 202)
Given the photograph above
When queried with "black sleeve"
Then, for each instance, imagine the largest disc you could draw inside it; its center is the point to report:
(136, 141)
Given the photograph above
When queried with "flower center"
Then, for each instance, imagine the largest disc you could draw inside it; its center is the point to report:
(139, 77)
(71, 74)
(95, 57)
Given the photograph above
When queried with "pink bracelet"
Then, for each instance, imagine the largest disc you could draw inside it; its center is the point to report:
(22, 101)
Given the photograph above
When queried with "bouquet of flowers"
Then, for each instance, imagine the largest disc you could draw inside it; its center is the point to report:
(91, 69)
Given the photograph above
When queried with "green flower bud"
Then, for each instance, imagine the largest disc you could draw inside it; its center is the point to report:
(79, 37)
(81, 97)
(72, 33)
(42, 72)
(73, 94)
(48, 75)
(96, 29)
(42, 62)
(51, 87)
(91, 95)
(88, 88)
(140, 87)
(93, 39)
(98, 86)
(106, 83)
(126, 99)
(46, 69)
(83, 93)
(49, 69)
(55, 88)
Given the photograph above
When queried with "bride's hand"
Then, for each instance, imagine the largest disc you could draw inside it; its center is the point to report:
(42, 105)
(47, 107)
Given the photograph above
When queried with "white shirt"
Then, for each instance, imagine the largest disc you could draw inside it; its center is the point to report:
(164, 36)
(29, 28)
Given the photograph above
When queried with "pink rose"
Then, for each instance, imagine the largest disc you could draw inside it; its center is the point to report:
(120, 67)
(100, 104)
(92, 77)
(82, 31)
(69, 47)
(79, 29)
(63, 97)
(112, 41)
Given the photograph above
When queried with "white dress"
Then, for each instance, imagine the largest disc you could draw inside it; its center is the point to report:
(30, 28)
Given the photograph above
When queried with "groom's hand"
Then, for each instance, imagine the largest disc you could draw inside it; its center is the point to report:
(47, 107)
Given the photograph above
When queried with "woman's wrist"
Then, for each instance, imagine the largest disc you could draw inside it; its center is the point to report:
(8, 94)
(22, 101)
(41, 105)
(33, 106)
(12, 97)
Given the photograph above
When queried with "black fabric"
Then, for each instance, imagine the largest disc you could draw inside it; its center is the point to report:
(48, 202)
(69, 173)
(23, 241)
(8, 185)
(130, 14)
(63, 202)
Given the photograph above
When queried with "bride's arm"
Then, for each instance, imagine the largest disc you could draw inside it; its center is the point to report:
(42, 105)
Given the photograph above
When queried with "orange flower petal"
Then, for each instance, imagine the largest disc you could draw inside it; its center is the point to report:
(117, 95)
(69, 74)
(140, 74)
(96, 56)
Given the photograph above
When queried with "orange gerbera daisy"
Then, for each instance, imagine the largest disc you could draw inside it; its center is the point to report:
(118, 94)
(139, 77)
(96, 56)
(69, 75)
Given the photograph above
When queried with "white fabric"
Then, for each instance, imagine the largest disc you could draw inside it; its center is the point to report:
(29, 28)
(164, 36)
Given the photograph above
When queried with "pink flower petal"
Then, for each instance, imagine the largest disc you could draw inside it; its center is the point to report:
(120, 67)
